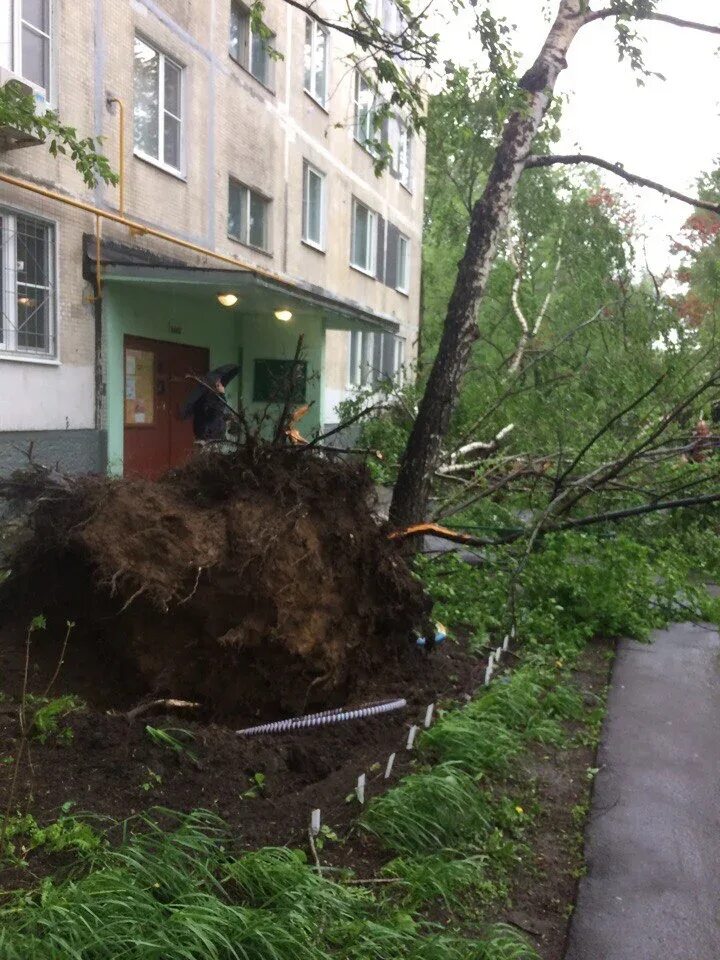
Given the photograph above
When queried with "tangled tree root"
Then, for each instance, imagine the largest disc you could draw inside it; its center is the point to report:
(257, 580)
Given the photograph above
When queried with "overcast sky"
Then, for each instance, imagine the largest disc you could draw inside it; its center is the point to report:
(668, 130)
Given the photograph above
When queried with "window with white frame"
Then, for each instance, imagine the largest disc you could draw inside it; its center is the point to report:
(248, 216)
(25, 40)
(248, 47)
(363, 247)
(402, 279)
(157, 107)
(27, 286)
(317, 42)
(400, 142)
(313, 225)
(367, 104)
(374, 358)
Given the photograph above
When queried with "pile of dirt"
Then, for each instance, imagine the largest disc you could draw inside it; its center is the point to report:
(257, 582)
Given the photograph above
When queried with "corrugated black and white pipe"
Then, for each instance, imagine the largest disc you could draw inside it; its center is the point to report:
(322, 719)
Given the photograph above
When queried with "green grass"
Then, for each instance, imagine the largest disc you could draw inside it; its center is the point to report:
(453, 831)
(180, 894)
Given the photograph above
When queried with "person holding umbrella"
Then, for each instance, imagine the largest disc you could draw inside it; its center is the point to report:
(206, 404)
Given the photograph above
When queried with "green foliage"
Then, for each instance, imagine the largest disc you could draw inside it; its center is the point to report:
(23, 835)
(579, 585)
(18, 110)
(170, 739)
(432, 811)
(47, 714)
(177, 894)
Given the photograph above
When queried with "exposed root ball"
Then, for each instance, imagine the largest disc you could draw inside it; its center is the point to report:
(256, 581)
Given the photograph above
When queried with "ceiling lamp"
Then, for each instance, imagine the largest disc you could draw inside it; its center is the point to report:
(283, 315)
(227, 299)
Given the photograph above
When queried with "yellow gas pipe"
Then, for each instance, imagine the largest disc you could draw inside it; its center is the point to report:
(137, 228)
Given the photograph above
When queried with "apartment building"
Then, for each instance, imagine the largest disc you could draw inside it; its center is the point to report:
(248, 214)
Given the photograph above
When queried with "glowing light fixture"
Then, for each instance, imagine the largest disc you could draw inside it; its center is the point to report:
(227, 299)
(284, 315)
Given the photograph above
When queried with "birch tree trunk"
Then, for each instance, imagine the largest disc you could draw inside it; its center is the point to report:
(488, 221)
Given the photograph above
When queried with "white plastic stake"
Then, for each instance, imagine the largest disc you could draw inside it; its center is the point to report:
(488, 674)
(388, 768)
(512, 630)
(506, 642)
(498, 654)
(429, 714)
(412, 733)
(315, 822)
(491, 661)
(360, 788)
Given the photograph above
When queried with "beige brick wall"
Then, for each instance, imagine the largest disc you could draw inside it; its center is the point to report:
(232, 125)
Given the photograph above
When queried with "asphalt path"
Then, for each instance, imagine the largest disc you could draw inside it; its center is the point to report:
(652, 890)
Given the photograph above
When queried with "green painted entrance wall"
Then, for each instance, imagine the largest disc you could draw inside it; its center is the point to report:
(184, 315)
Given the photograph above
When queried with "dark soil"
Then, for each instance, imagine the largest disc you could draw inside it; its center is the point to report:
(544, 892)
(257, 582)
(113, 768)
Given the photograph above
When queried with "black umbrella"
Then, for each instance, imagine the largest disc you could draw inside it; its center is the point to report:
(224, 374)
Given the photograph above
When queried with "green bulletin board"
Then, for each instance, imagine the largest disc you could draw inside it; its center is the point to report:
(272, 378)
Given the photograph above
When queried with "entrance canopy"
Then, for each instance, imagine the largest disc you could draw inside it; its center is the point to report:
(257, 295)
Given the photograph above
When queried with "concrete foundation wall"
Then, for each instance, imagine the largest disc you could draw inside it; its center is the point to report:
(74, 451)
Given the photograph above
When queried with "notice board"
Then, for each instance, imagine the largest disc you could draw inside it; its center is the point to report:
(139, 387)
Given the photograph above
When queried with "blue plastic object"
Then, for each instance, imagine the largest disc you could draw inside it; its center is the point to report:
(440, 636)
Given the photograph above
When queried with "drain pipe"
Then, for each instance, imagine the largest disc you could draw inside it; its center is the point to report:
(322, 719)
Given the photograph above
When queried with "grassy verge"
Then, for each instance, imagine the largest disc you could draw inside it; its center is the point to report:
(449, 841)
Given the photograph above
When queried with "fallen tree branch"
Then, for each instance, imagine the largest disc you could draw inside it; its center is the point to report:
(485, 446)
(341, 426)
(635, 511)
(659, 17)
(166, 704)
(547, 160)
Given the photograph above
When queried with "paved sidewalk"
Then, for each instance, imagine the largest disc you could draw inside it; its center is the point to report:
(652, 891)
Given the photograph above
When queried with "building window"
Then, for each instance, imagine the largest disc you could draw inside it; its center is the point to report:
(313, 206)
(317, 41)
(27, 286)
(25, 40)
(375, 358)
(367, 104)
(363, 251)
(248, 216)
(400, 142)
(248, 47)
(157, 107)
(402, 280)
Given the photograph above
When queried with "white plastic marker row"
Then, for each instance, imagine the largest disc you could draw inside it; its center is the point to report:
(496, 654)
(493, 659)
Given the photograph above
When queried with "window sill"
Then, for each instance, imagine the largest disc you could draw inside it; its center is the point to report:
(368, 151)
(363, 271)
(313, 246)
(250, 246)
(318, 103)
(159, 165)
(407, 188)
(29, 358)
(249, 73)
(404, 293)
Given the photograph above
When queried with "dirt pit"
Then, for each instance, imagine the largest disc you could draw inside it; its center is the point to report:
(258, 583)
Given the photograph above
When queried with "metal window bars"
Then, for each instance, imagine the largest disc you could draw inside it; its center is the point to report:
(27, 286)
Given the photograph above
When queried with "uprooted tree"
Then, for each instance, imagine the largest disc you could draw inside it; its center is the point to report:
(488, 222)
(398, 57)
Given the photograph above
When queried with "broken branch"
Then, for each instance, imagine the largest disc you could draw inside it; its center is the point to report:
(548, 160)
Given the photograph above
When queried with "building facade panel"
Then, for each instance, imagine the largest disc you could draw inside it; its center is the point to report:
(225, 119)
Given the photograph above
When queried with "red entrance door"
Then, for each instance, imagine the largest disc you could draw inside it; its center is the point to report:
(155, 389)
